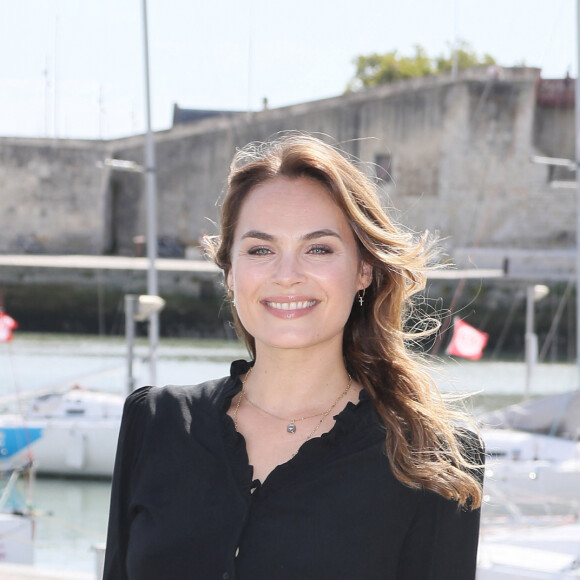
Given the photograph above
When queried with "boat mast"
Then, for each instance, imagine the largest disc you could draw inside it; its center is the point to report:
(151, 201)
(577, 114)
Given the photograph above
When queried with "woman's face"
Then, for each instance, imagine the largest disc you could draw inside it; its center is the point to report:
(295, 265)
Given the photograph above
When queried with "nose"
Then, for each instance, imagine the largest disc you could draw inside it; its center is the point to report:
(289, 270)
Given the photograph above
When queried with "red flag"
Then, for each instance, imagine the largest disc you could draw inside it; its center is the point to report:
(7, 325)
(467, 341)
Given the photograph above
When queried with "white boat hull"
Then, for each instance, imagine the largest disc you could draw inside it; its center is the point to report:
(525, 467)
(74, 434)
(78, 448)
(530, 552)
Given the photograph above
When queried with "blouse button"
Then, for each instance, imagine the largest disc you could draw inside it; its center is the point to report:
(237, 552)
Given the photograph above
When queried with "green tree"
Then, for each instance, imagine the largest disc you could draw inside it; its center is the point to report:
(466, 58)
(377, 69)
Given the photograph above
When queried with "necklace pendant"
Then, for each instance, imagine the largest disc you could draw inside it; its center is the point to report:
(291, 428)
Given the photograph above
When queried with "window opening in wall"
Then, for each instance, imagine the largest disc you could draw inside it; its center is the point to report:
(383, 163)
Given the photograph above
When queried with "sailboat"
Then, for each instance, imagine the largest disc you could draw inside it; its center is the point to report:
(534, 458)
(530, 551)
(72, 432)
(534, 449)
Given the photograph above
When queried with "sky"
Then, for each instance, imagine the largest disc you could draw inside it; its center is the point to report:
(75, 68)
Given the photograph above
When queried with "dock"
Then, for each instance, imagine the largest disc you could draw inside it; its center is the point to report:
(84, 262)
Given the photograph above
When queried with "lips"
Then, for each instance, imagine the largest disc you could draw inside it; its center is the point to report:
(298, 305)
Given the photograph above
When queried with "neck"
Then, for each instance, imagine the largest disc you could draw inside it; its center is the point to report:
(288, 381)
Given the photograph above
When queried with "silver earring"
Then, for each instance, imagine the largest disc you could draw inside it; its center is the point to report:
(361, 297)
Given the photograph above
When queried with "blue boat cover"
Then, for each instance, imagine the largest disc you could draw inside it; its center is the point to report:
(14, 439)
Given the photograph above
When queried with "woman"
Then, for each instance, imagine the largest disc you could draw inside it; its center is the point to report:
(330, 455)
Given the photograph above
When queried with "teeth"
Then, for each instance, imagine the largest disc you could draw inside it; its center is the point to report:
(292, 305)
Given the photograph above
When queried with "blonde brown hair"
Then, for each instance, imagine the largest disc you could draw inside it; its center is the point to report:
(421, 439)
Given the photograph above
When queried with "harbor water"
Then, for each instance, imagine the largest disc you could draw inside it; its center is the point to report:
(72, 514)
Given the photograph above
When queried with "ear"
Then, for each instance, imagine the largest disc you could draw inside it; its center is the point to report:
(365, 275)
(229, 280)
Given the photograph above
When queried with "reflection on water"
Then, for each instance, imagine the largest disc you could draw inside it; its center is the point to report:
(73, 514)
(72, 518)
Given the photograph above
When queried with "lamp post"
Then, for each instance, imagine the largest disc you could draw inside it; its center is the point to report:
(130, 309)
(534, 293)
(137, 309)
(152, 286)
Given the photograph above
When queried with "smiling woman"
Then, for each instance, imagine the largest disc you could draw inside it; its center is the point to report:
(330, 454)
(296, 268)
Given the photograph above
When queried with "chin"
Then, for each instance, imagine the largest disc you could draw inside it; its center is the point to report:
(297, 341)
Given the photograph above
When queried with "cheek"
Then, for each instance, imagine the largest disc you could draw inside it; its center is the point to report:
(245, 283)
(340, 281)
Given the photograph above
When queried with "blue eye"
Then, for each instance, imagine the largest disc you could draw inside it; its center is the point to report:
(320, 250)
(259, 251)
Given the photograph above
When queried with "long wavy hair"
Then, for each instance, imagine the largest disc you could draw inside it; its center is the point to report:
(422, 441)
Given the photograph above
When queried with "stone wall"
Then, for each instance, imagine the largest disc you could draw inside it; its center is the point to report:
(465, 170)
(458, 156)
(51, 196)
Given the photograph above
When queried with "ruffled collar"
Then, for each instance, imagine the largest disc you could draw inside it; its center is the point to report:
(351, 418)
(356, 426)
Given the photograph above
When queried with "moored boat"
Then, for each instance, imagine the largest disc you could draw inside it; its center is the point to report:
(72, 433)
(534, 449)
(548, 550)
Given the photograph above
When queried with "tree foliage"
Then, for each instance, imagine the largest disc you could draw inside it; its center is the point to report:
(377, 69)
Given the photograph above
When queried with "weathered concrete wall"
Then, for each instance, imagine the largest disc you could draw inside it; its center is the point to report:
(459, 159)
(193, 162)
(464, 168)
(51, 196)
(460, 155)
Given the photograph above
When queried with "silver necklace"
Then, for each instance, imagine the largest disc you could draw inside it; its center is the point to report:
(291, 426)
(291, 423)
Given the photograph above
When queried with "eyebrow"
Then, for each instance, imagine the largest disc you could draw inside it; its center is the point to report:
(307, 237)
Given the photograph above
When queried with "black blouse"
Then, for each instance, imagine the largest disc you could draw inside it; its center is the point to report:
(184, 505)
